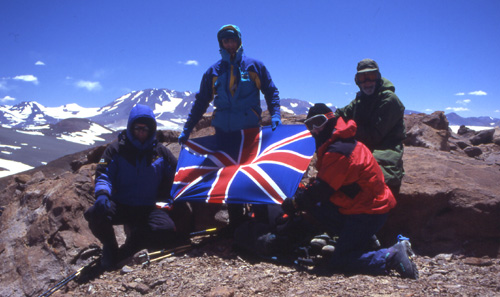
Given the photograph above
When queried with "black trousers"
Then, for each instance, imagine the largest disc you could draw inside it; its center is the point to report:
(149, 227)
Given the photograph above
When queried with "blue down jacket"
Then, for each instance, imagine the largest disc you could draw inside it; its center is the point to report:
(234, 87)
(134, 173)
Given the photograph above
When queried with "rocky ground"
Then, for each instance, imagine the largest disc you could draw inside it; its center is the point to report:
(215, 269)
(449, 206)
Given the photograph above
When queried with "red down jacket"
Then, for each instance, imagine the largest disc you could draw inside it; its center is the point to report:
(344, 162)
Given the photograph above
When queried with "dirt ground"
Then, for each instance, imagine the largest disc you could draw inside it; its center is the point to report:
(216, 269)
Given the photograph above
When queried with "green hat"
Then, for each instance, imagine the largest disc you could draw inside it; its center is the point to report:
(367, 65)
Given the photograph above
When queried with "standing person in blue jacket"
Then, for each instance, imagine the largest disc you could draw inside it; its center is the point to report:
(234, 84)
(133, 174)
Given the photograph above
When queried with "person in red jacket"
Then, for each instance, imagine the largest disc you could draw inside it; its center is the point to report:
(349, 199)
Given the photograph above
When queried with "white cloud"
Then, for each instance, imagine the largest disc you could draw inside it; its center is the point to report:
(498, 110)
(341, 83)
(89, 85)
(28, 78)
(457, 108)
(478, 93)
(460, 94)
(7, 98)
(40, 63)
(463, 102)
(429, 110)
(189, 63)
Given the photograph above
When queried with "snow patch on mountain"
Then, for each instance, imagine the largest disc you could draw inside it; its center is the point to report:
(8, 167)
(30, 132)
(88, 136)
(71, 110)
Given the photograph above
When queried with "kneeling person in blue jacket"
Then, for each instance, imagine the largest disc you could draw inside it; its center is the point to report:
(133, 174)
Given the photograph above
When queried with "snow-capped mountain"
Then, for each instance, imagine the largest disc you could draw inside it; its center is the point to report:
(24, 114)
(23, 149)
(455, 119)
(170, 108)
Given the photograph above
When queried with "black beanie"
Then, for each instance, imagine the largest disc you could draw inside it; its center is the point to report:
(318, 108)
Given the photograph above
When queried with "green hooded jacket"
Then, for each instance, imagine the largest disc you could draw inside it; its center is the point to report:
(381, 127)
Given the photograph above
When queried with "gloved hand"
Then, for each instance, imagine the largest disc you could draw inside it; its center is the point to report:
(183, 137)
(102, 205)
(275, 121)
(318, 191)
(288, 206)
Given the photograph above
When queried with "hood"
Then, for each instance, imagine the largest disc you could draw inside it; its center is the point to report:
(224, 54)
(342, 129)
(144, 113)
(387, 86)
(228, 27)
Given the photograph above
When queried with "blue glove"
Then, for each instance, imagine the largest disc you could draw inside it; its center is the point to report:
(183, 137)
(275, 121)
(102, 205)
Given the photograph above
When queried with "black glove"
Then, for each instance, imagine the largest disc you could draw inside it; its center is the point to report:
(103, 206)
(288, 206)
(317, 191)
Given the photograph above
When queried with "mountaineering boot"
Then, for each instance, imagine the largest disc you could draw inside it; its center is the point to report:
(109, 255)
(399, 259)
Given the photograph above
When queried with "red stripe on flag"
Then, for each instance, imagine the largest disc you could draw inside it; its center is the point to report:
(263, 183)
(218, 192)
(187, 175)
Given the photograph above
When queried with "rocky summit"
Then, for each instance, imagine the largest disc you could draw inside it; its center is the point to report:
(449, 206)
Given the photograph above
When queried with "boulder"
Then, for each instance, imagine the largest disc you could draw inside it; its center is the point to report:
(447, 204)
(430, 131)
(483, 137)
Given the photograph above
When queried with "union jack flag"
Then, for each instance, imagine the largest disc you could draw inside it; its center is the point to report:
(257, 166)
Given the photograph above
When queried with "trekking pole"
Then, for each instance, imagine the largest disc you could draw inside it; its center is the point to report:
(173, 251)
(67, 279)
(165, 251)
(203, 232)
(170, 253)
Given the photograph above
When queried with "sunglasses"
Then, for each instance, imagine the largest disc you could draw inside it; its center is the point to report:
(318, 121)
(367, 76)
(141, 128)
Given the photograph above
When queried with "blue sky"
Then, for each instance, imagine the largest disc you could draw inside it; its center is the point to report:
(440, 54)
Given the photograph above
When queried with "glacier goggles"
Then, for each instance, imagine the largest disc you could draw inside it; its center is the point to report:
(366, 76)
(141, 128)
(318, 121)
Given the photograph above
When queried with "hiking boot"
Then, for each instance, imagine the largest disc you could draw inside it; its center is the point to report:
(399, 259)
(375, 243)
(318, 243)
(327, 250)
(109, 256)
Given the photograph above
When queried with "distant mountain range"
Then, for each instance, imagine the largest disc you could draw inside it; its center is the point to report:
(71, 128)
(170, 107)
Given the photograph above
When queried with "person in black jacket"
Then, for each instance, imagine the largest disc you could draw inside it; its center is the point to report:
(133, 174)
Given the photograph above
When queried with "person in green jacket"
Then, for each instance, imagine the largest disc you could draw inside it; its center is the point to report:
(379, 115)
